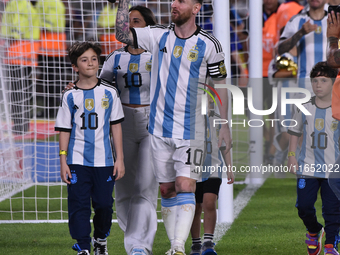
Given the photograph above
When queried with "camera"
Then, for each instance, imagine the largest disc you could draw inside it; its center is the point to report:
(335, 8)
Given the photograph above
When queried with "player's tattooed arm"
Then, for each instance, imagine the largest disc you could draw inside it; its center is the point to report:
(123, 33)
(289, 43)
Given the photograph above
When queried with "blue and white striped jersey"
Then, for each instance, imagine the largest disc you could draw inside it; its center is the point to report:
(88, 115)
(311, 47)
(131, 74)
(320, 145)
(179, 65)
(213, 162)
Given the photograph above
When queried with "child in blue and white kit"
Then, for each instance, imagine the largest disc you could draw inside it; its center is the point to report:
(320, 148)
(88, 113)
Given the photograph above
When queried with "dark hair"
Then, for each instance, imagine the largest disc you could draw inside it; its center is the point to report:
(199, 1)
(147, 14)
(322, 69)
(78, 48)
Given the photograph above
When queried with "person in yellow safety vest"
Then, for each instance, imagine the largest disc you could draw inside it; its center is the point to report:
(51, 55)
(53, 23)
(21, 30)
(107, 22)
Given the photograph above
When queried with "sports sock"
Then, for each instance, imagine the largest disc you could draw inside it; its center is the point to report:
(196, 240)
(208, 237)
(169, 216)
(185, 215)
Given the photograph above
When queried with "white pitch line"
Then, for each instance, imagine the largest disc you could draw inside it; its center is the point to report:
(240, 202)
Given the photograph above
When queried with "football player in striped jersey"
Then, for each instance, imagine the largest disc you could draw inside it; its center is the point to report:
(306, 31)
(183, 55)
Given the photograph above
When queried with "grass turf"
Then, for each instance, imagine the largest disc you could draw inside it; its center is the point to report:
(269, 224)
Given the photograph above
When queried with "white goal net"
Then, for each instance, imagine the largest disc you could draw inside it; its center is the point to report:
(34, 68)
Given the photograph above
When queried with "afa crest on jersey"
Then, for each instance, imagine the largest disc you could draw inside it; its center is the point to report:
(193, 55)
(222, 68)
(133, 67)
(89, 104)
(334, 125)
(319, 124)
(318, 30)
(178, 51)
(105, 102)
(148, 66)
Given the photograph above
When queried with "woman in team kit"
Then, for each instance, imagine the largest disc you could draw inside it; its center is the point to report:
(136, 193)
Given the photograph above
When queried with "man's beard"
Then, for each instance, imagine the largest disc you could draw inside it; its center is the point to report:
(180, 19)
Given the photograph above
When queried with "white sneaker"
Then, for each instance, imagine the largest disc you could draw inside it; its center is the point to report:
(83, 252)
(99, 246)
(178, 251)
(169, 252)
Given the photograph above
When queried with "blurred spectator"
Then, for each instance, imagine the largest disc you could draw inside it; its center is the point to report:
(106, 24)
(307, 32)
(239, 71)
(20, 28)
(284, 14)
(51, 54)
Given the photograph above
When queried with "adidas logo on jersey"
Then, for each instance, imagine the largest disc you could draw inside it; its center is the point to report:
(164, 50)
(117, 67)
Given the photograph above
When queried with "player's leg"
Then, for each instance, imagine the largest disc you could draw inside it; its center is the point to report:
(102, 202)
(307, 190)
(196, 223)
(211, 190)
(187, 155)
(123, 189)
(142, 217)
(185, 188)
(163, 166)
(331, 215)
(79, 207)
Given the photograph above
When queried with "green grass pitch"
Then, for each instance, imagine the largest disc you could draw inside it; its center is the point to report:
(269, 224)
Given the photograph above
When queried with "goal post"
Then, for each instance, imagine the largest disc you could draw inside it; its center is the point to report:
(30, 186)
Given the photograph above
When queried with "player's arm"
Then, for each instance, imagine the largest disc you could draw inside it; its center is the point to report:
(117, 137)
(65, 173)
(230, 174)
(333, 32)
(292, 162)
(288, 44)
(224, 134)
(123, 33)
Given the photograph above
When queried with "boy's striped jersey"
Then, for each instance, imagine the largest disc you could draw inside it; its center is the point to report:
(88, 115)
(179, 69)
(320, 144)
(131, 74)
(311, 47)
(213, 162)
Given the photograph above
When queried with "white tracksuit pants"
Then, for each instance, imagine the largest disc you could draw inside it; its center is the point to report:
(136, 193)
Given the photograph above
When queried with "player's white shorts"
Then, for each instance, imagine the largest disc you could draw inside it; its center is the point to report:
(176, 157)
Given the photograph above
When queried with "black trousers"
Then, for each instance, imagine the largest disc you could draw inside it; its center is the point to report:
(307, 191)
(90, 183)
